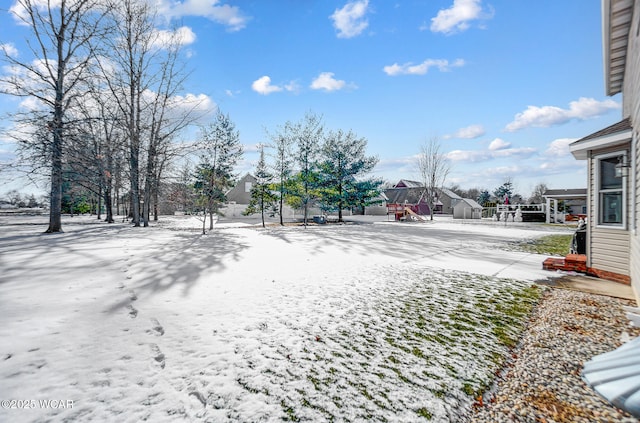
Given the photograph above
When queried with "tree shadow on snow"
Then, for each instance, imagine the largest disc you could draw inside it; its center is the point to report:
(181, 263)
(402, 240)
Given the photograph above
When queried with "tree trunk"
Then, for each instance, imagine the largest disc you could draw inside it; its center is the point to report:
(281, 202)
(204, 221)
(55, 205)
(55, 211)
(262, 208)
(99, 202)
(340, 202)
(135, 185)
(108, 205)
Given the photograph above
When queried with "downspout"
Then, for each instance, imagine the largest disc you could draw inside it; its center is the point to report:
(634, 224)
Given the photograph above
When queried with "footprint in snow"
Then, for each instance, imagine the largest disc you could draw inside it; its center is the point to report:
(133, 313)
(199, 397)
(156, 327)
(132, 296)
(158, 355)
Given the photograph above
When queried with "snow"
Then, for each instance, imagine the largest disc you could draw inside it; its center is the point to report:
(345, 322)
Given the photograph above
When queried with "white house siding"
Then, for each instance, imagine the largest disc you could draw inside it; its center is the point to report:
(613, 244)
(631, 107)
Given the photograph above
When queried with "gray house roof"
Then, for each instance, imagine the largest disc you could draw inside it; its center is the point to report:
(566, 193)
(468, 202)
(450, 194)
(402, 195)
(409, 184)
(611, 135)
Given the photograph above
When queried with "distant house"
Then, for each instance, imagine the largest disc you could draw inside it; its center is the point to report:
(467, 208)
(410, 193)
(449, 199)
(378, 206)
(241, 193)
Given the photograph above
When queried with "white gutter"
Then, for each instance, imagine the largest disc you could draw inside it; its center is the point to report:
(580, 149)
(634, 224)
(606, 18)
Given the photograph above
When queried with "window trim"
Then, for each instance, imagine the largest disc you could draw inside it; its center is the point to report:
(598, 191)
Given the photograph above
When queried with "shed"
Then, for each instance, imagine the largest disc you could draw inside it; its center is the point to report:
(467, 208)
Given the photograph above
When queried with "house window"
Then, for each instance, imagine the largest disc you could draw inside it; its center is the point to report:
(247, 187)
(611, 195)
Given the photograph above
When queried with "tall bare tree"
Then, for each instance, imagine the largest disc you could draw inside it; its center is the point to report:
(433, 168)
(61, 44)
(128, 69)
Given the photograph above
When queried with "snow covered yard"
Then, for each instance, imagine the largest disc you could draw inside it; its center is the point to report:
(351, 322)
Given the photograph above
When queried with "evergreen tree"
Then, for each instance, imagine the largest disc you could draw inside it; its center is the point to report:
(262, 198)
(283, 166)
(504, 191)
(484, 197)
(307, 135)
(214, 175)
(344, 160)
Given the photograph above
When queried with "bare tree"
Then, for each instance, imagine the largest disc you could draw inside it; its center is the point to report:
(537, 194)
(61, 46)
(166, 118)
(433, 168)
(128, 71)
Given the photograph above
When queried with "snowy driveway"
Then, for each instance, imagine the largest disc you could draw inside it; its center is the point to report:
(383, 321)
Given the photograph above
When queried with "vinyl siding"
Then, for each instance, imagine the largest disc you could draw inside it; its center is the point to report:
(608, 248)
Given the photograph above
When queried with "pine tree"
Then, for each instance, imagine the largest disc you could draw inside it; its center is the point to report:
(484, 197)
(262, 198)
(283, 166)
(504, 192)
(214, 175)
(307, 135)
(344, 160)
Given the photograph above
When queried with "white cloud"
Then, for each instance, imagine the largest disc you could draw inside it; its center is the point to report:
(457, 17)
(468, 155)
(559, 147)
(20, 14)
(180, 36)
(326, 81)
(504, 171)
(263, 86)
(293, 87)
(9, 49)
(229, 16)
(545, 116)
(499, 144)
(498, 149)
(522, 152)
(470, 132)
(350, 21)
(422, 68)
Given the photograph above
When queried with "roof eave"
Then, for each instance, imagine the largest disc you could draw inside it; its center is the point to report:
(580, 150)
(616, 24)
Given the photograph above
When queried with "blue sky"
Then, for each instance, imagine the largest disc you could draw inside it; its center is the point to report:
(504, 85)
